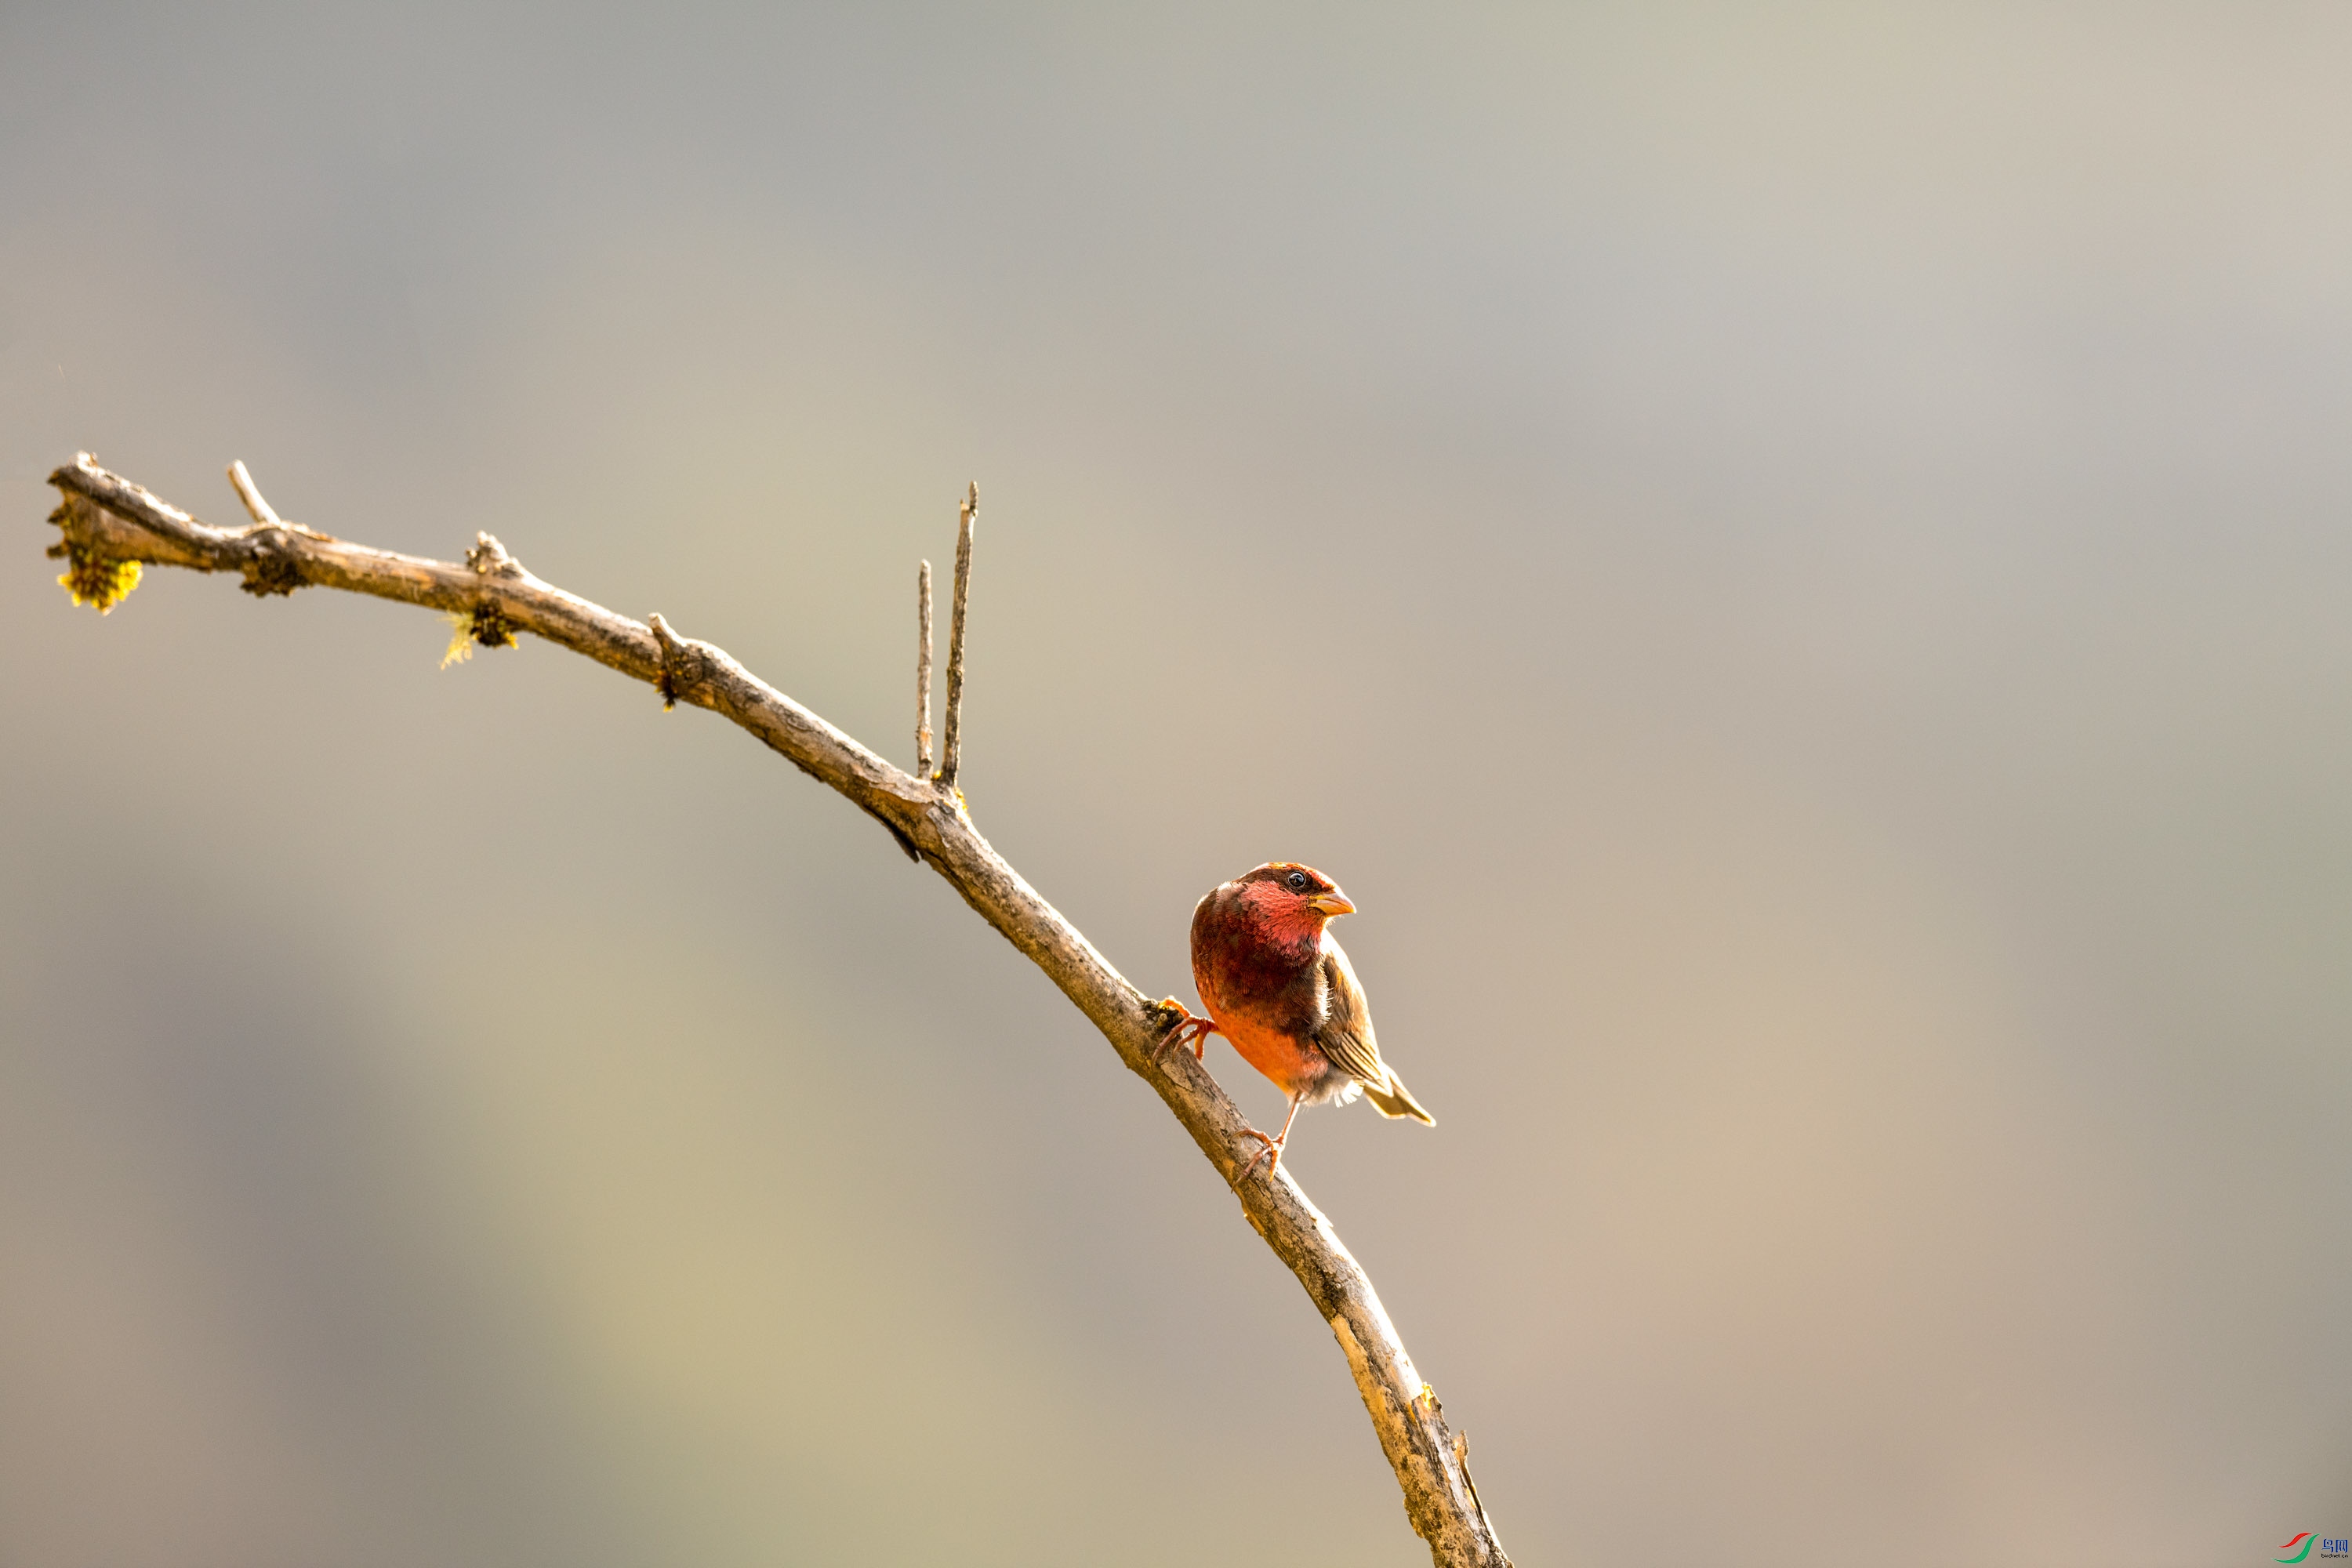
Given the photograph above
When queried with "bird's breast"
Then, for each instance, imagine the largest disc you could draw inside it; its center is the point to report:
(1265, 998)
(1291, 1060)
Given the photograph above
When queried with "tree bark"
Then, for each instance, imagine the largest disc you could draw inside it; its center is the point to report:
(108, 522)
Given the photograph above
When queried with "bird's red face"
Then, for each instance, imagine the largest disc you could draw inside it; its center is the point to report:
(1293, 899)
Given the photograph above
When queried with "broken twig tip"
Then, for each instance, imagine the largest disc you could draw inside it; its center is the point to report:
(666, 640)
(488, 558)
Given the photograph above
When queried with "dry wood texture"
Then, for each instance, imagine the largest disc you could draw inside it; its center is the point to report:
(109, 522)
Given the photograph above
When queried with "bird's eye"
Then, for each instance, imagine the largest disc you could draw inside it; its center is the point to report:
(1298, 881)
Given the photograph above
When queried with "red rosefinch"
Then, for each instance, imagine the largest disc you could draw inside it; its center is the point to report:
(1279, 987)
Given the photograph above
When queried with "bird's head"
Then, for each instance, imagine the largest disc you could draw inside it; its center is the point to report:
(1291, 897)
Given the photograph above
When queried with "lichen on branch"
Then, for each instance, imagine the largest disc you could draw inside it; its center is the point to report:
(99, 581)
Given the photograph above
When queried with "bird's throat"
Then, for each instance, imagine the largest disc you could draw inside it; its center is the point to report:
(1285, 921)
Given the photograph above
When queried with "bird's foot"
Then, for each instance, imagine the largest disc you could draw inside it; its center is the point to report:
(1271, 1154)
(1188, 1030)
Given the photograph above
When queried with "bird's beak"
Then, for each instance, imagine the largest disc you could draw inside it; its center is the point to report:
(1331, 904)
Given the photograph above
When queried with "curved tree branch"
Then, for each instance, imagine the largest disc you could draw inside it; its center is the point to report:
(110, 523)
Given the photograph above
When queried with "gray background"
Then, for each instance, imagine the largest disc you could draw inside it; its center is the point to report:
(1795, 566)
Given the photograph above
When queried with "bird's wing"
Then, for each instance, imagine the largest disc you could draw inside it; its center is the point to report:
(1346, 1033)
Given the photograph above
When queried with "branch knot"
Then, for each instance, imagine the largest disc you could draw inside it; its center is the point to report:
(271, 565)
(684, 670)
(488, 558)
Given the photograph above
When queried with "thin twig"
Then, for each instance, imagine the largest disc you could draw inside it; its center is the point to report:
(923, 672)
(264, 516)
(966, 515)
(108, 520)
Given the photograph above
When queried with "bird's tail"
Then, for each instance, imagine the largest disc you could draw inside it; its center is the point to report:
(1394, 1099)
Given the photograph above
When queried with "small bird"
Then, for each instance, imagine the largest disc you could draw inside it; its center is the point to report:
(1279, 988)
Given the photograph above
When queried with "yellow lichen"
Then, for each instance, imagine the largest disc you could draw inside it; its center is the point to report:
(98, 583)
(483, 624)
(461, 637)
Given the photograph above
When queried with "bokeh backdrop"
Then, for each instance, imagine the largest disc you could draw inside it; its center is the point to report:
(1795, 563)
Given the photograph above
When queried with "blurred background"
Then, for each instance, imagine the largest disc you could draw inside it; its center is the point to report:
(1795, 566)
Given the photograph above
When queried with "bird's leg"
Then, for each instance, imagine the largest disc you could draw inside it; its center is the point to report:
(1273, 1146)
(1188, 1030)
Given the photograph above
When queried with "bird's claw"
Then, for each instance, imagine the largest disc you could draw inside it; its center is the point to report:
(1188, 1030)
(1273, 1148)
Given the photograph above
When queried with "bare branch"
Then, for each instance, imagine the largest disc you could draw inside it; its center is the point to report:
(923, 671)
(108, 521)
(966, 515)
